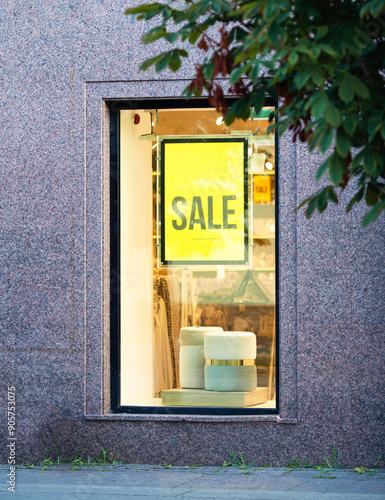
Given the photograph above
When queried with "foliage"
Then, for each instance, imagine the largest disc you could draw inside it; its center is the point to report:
(323, 61)
(331, 463)
(237, 460)
(296, 463)
(77, 461)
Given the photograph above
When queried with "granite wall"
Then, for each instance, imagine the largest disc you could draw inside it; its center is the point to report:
(61, 64)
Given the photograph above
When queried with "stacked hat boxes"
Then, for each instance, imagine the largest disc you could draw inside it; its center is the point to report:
(217, 368)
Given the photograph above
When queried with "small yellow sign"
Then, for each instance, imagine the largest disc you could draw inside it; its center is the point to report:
(204, 201)
(262, 188)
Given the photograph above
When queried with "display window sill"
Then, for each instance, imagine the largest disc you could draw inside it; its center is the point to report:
(191, 418)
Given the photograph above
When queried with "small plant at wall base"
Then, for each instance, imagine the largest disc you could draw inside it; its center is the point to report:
(324, 64)
(331, 463)
(51, 460)
(296, 463)
(237, 460)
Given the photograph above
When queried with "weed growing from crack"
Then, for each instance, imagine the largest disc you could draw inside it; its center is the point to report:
(296, 463)
(49, 462)
(237, 461)
(332, 463)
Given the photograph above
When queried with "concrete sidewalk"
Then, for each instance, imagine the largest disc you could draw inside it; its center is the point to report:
(147, 482)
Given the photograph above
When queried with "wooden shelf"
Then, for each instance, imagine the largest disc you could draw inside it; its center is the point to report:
(200, 397)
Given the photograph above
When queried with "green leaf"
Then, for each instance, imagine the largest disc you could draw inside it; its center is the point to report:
(238, 109)
(371, 196)
(178, 16)
(357, 160)
(148, 62)
(171, 37)
(238, 72)
(351, 85)
(188, 92)
(163, 62)
(332, 114)
(360, 88)
(375, 123)
(345, 90)
(322, 31)
(153, 35)
(280, 125)
(174, 62)
(321, 201)
(193, 36)
(140, 9)
(301, 78)
(303, 49)
(310, 208)
(276, 34)
(336, 169)
(328, 49)
(225, 6)
(257, 100)
(317, 78)
(332, 195)
(323, 168)
(370, 161)
(216, 6)
(372, 8)
(239, 34)
(373, 214)
(343, 144)
(293, 58)
(271, 10)
(356, 199)
(315, 51)
(316, 135)
(254, 72)
(249, 9)
(325, 140)
(361, 181)
(208, 70)
(350, 123)
(319, 105)
(303, 203)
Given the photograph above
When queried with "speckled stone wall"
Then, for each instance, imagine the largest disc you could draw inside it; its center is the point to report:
(61, 61)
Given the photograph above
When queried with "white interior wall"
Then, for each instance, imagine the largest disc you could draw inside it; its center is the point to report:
(136, 259)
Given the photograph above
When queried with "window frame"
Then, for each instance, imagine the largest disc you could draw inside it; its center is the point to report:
(115, 341)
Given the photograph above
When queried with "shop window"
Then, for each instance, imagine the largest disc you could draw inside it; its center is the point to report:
(193, 262)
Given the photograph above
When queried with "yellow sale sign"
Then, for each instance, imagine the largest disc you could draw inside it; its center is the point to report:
(204, 201)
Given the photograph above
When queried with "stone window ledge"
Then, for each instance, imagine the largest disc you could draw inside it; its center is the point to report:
(191, 418)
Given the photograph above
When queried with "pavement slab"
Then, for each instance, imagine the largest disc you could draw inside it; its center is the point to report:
(145, 482)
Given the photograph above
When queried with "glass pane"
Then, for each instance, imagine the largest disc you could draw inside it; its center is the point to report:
(188, 332)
